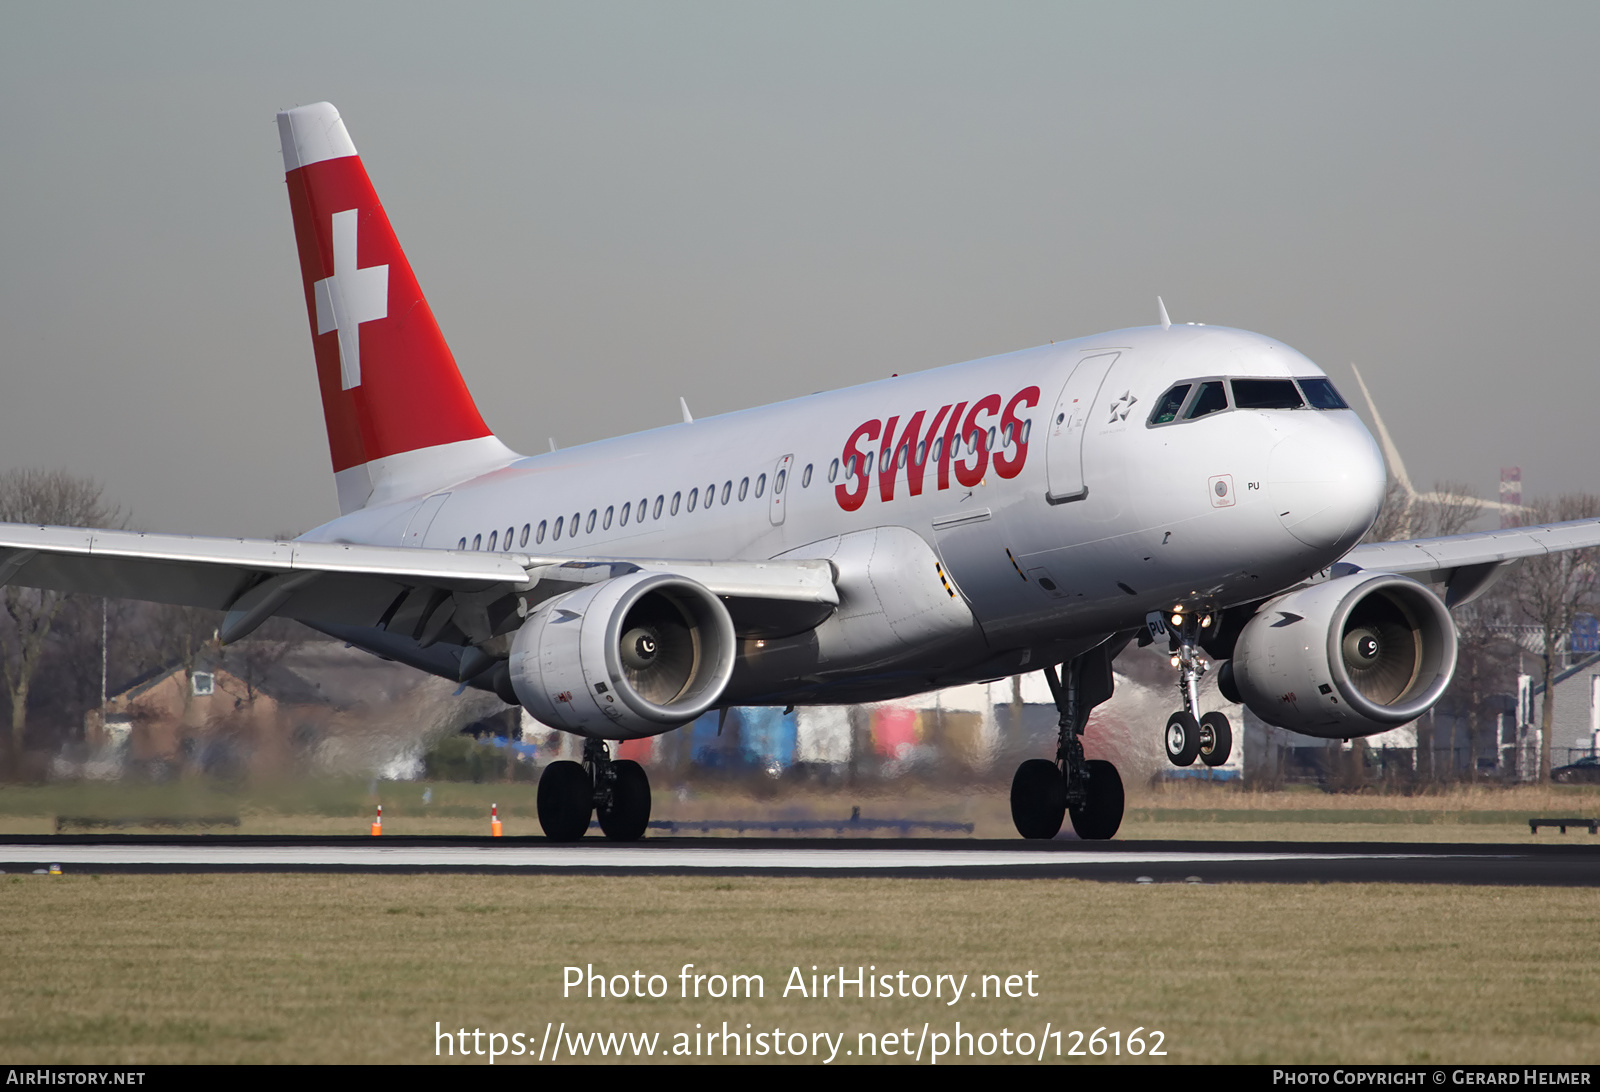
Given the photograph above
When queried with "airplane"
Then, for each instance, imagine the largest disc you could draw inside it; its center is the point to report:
(1192, 484)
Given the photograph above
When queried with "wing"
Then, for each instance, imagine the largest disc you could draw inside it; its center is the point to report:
(1468, 564)
(427, 592)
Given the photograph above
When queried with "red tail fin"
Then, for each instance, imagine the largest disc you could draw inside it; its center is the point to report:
(400, 420)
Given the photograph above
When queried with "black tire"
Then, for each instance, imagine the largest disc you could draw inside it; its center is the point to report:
(1183, 739)
(1038, 799)
(1216, 739)
(566, 797)
(628, 817)
(1101, 813)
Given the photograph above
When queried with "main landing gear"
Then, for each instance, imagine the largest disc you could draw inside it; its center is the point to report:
(1210, 737)
(617, 790)
(1044, 793)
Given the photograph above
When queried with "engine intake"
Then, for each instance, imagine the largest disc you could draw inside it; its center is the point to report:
(1353, 656)
(633, 656)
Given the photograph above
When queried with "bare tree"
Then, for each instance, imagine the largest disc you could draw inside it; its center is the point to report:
(253, 659)
(1549, 590)
(52, 498)
(1449, 509)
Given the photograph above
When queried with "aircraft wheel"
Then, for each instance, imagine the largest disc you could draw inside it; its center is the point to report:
(1216, 739)
(1183, 739)
(1101, 813)
(629, 814)
(1038, 799)
(566, 797)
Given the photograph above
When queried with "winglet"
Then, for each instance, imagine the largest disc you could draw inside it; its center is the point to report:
(683, 404)
(1390, 452)
(1166, 323)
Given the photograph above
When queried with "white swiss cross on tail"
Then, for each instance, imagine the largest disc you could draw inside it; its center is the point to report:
(350, 297)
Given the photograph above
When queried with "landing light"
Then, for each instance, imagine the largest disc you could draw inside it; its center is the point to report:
(1174, 661)
(1177, 619)
(1206, 621)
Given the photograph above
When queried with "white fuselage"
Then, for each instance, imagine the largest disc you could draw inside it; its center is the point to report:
(1083, 518)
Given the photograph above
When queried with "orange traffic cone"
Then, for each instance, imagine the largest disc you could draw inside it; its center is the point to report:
(377, 824)
(494, 821)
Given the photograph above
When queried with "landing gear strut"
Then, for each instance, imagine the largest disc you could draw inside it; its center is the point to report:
(616, 790)
(1044, 793)
(1190, 735)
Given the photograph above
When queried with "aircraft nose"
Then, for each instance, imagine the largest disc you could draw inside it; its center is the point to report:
(1326, 480)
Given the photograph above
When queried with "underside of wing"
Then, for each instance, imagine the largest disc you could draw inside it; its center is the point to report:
(429, 596)
(1468, 564)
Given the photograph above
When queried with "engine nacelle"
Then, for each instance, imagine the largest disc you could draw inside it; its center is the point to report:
(1352, 656)
(633, 656)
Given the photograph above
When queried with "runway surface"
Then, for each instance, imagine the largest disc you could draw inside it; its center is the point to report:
(1574, 864)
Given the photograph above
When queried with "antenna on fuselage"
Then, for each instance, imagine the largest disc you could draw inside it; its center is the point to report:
(683, 404)
(552, 443)
(1166, 323)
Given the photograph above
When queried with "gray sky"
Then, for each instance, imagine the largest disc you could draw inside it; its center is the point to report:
(612, 205)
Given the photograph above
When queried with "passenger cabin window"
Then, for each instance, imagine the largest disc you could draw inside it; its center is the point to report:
(805, 478)
(606, 523)
(744, 488)
(660, 500)
(622, 519)
(677, 499)
(1213, 396)
(1171, 402)
(711, 494)
(761, 482)
(506, 542)
(833, 472)
(525, 529)
(538, 536)
(727, 491)
(462, 545)
(560, 520)
(477, 542)
(1266, 394)
(777, 483)
(694, 497)
(1321, 395)
(589, 527)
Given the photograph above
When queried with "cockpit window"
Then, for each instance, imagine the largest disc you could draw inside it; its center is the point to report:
(1321, 395)
(1171, 402)
(1266, 394)
(1213, 396)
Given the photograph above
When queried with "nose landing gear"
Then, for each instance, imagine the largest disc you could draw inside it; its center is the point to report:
(1044, 793)
(1190, 735)
(617, 790)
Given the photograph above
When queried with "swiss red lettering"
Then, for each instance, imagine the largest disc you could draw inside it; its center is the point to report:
(917, 460)
(971, 474)
(851, 498)
(947, 445)
(1010, 466)
(912, 446)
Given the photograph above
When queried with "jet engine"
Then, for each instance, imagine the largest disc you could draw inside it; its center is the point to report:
(1350, 657)
(628, 657)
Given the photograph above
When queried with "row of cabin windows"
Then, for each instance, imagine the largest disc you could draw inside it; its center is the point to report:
(1196, 398)
(645, 510)
(971, 443)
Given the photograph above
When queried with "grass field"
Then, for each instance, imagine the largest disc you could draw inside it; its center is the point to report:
(322, 968)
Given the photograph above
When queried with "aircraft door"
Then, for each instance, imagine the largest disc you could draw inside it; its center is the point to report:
(1069, 422)
(781, 488)
(417, 529)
